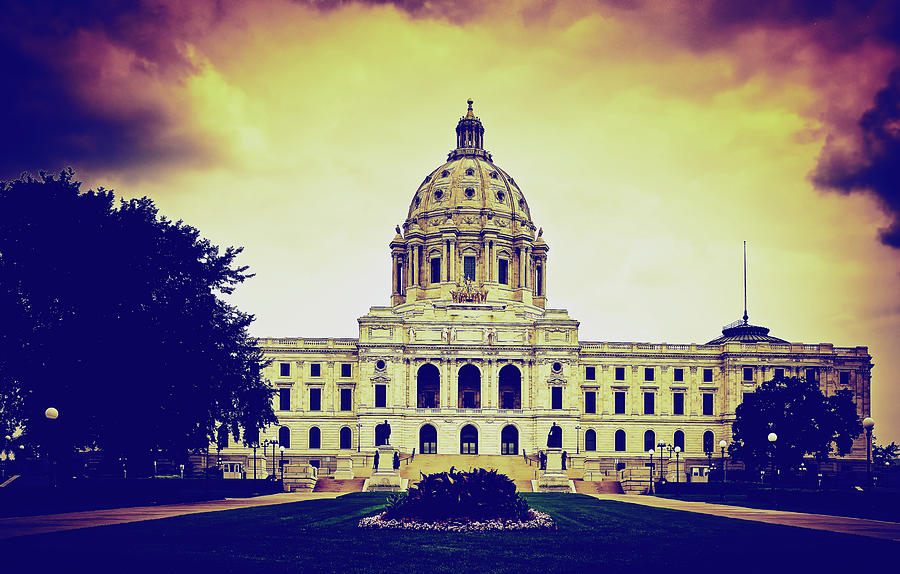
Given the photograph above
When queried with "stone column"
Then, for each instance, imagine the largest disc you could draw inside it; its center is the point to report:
(521, 267)
(486, 257)
(445, 264)
(452, 261)
(393, 274)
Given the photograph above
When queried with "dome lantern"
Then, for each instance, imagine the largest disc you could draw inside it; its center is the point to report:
(469, 136)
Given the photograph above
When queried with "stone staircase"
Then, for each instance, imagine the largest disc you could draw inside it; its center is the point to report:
(597, 487)
(342, 486)
(512, 466)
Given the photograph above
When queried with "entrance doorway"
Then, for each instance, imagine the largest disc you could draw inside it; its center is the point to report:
(510, 387)
(428, 440)
(468, 440)
(509, 440)
(469, 387)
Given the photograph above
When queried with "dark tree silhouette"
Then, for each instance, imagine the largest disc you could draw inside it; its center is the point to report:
(113, 315)
(806, 422)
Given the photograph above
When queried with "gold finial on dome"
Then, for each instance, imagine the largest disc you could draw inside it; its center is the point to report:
(470, 113)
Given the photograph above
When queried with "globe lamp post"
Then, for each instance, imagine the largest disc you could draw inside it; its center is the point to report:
(677, 452)
(868, 424)
(772, 438)
(51, 414)
(651, 453)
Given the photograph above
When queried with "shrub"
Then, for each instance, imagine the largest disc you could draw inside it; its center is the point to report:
(476, 495)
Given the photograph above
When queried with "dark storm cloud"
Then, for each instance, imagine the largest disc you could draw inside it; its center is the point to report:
(48, 118)
(875, 166)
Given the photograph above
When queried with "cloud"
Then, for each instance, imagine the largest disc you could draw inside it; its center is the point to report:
(873, 163)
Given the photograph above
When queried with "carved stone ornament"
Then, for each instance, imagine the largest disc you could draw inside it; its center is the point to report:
(502, 222)
(468, 292)
(380, 379)
(556, 381)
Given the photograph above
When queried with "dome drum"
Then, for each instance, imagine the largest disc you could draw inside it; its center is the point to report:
(468, 229)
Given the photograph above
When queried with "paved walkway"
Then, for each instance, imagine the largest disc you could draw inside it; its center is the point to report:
(843, 524)
(23, 525)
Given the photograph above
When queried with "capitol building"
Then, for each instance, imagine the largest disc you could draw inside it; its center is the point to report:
(468, 356)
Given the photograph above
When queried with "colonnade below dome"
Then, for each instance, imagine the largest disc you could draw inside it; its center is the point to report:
(469, 272)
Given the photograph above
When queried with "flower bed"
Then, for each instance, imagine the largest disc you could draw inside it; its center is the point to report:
(460, 501)
(537, 521)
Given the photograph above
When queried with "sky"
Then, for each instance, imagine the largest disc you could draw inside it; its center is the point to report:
(650, 138)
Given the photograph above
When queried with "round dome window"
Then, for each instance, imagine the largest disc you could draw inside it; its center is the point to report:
(445, 173)
(557, 367)
(438, 194)
(470, 193)
(379, 364)
(500, 196)
(418, 200)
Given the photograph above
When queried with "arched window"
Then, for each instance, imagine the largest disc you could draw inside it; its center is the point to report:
(428, 440)
(620, 441)
(470, 171)
(284, 437)
(509, 440)
(315, 437)
(428, 387)
(468, 440)
(590, 440)
(510, 388)
(469, 387)
(678, 440)
(709, 441)
(649, 440)
(346, 438)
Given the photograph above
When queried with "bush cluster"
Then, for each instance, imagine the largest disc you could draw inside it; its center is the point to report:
(474, 495)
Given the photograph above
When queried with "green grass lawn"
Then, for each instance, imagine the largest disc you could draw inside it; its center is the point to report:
(321, 536)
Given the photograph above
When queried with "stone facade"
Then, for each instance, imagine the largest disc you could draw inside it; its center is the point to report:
(469, 343)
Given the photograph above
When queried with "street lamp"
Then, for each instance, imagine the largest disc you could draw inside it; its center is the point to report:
(677, 452)
(651, 452)
(577, 438)
(772, 438)
(255, 446)
(662, 447)
(358, 437)
(51, 414)
(281, 462)
(868, 424)
(722, 445)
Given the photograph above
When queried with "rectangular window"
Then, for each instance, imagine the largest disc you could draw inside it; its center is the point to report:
(346, 370)
(648, 374)
(469, 268)
(707, 375)
(679, 375)
(556, 398)
(400, 278)
(649, 403)
(346, 399)
(620, 373)
(315, 370)
(539, 274)
(503, 272)
(620, 402)
(811, 375)
(779, 373)
(748, 374)
(677, 403)
(315, 399)
(380, 396)
(707, 403)
(845, 378)
(285, 369)
(590, 402)
(744, 397)
(436, 270)
(284, 399)
(590, 373)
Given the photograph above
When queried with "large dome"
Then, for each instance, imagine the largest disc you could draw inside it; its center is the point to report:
(468, 235)
(469, 189)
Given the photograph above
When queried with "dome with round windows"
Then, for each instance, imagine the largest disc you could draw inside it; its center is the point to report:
(469, 189)
(468, 235)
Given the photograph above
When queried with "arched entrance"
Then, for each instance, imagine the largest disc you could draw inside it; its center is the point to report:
(509, 440)
(510, 388)
(590, 440)
(428, 387)
(346, 438)
(428, 440)
(469, 387)
(468, 440)
(709, 441)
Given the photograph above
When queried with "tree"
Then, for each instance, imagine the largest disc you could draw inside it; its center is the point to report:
(885, 455)
(114, 315)
(806, 422)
